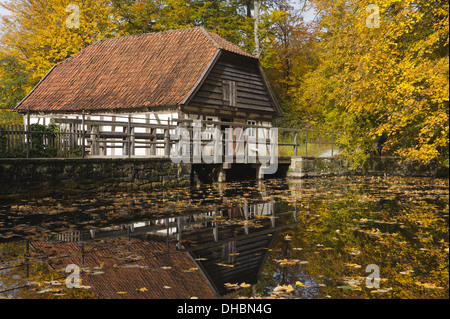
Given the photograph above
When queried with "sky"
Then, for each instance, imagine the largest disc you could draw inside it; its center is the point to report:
(308, 16)
(3, 11)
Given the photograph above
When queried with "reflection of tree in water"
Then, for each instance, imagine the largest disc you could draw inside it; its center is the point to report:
(21, 278)
(400, 226)
(344, 224)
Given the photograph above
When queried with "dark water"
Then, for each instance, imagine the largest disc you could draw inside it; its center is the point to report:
(343, 237)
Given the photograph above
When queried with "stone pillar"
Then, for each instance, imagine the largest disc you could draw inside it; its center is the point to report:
(222, 174)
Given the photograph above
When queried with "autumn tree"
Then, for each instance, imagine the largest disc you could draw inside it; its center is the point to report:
(38, 34)
(223, 17)
(286, 53)
(383, 73)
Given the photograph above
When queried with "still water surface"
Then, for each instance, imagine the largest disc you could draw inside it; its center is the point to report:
(341, 237)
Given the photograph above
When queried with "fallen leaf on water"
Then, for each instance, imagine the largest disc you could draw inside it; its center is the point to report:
(190, 269)
(428, 285)
(83, 287)
(352, 265)
(349, 288)
(225, 265)
(286, 262)
(282, 288)
(380, 290)
(143, 289)
(121, 292)
(44, 290)
(245, 285)
(230, 285)
(53, 283)
(300, 284)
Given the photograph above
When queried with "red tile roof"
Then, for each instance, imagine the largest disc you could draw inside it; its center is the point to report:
(118, 281)
(148, 70)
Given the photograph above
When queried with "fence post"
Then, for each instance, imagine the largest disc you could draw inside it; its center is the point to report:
(83, 132)
(306, 144)
(332, 142)
(129, 136)
(13, 137)
(295, 141)
(167, 140)
(28, 133)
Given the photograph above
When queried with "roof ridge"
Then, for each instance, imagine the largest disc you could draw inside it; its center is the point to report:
(148, 33)
(210, 38)
(205, 32)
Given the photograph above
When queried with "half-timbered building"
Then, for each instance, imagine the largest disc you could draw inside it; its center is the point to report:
(178, 74)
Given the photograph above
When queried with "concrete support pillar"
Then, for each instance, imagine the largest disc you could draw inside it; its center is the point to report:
(222, 174)
(260, 171)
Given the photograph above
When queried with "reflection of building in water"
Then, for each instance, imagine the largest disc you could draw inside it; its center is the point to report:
(130, 267)
(178, 257)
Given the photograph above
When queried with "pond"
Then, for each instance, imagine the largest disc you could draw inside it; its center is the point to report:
(335, 237)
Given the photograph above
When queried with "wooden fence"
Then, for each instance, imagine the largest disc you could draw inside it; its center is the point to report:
(131, 137)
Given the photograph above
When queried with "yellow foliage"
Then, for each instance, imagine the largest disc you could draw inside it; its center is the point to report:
(391, 79)
(42, 33)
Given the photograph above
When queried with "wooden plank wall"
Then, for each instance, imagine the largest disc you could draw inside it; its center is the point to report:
(252, 94)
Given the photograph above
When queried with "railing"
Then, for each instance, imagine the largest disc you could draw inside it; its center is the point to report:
(131, 136)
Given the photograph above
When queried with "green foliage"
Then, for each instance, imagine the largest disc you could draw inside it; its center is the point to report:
(8, 117)
(43, 140)
(391, 80)
(13, 81)
(223, 17)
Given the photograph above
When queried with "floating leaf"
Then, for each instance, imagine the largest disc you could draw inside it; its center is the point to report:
(225, 265)
(231, 286)
(300, 284)
(191, 269)
(352, 265)
(349, 288)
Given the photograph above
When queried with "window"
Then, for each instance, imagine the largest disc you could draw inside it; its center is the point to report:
(251, 130)
(209, 129)
(229, 92)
